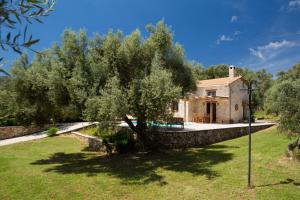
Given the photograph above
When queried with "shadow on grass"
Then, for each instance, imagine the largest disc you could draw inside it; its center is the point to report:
(140, 168)
(285, 182)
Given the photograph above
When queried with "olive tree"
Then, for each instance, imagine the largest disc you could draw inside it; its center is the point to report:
(283, 99)
(147, 75)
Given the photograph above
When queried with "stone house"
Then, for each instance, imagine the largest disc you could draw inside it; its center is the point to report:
(220, 100)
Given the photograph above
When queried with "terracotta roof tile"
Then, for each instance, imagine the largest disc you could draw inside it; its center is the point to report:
(217, 81)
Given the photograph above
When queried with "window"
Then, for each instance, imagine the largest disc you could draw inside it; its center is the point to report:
(211, 93)
(175, 106)
(236, 107)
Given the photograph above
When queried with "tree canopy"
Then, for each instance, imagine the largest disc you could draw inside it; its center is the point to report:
(148, 75)
(283, 99)
(106, 78)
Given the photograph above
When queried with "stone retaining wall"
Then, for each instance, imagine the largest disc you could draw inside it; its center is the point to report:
(93, 143)
(180, 139)
(186, 139)
(7, 132)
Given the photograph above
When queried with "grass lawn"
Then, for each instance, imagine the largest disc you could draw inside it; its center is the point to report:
(58, 168)
(89, 131)
(264, 116)
(93, 131)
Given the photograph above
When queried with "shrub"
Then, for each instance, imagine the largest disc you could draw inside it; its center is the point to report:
(122, 140)
(103, 133)
(52, 131)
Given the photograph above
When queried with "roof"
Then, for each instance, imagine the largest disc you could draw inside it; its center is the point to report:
(218, 81)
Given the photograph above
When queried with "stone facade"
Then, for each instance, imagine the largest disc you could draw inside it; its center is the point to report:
(238, 101)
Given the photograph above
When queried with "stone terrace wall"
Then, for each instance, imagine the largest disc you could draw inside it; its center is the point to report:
(93, 143)
(185, 139)
(7, 132)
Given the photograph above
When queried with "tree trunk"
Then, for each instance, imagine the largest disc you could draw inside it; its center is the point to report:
(140, 130)
(292, 146)
(130, 124)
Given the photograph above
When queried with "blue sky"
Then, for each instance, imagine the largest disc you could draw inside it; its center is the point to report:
(255, 34)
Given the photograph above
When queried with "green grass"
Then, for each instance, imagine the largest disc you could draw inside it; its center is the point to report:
(89, 131)
(58, 168)
(261, 115)
(93, 131)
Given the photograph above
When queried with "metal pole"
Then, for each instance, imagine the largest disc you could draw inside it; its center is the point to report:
(249, 132)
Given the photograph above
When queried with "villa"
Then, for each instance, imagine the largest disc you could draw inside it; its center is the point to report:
(220, 100)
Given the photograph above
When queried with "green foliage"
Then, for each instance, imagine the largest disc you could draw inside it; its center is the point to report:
(119, 139)
(216, 71)
(198, 70)
(7, 107)
(144, 76)
(272, 99)
(110, 106)
(89, 131)
(283, 100)
(32, 97)
(52, 131)
(263, 115)
(103, 133)
(261, 81)
(291, 74)
(18, 14)
(105, 78)
(158, 92)
(56, 84)
(122, 140)
(289, 106)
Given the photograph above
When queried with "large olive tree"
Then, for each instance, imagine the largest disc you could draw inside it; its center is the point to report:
(145, 76)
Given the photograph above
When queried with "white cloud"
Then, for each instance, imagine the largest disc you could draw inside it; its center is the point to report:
(271, 50)
(273, 65)
(233, 18)
(257, 53)
(229, 38)
(236, 33)
(293, 5)
(224, 38)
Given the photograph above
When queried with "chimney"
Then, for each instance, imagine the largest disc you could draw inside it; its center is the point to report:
(231, 71)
